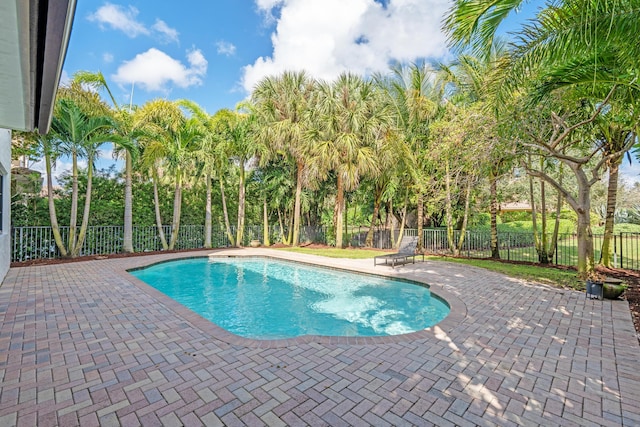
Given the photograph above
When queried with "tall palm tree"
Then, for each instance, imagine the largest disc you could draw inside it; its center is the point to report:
(126, 144)
(244, 146)
(469, 79)
(79, 135)
(351, 120)
(415, 101)
(170, 141)
(614, 137)
(47, 144)
(206, 156)
(390, 156)
(221, 161)
(282, 106)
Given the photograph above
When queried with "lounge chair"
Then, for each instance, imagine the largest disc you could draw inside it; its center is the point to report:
(406, 251)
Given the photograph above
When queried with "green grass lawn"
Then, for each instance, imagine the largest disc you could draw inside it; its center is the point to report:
(547, 275)
(337, 253)
(550, 276)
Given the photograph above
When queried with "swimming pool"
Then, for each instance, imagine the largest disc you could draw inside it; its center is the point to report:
(265, 298)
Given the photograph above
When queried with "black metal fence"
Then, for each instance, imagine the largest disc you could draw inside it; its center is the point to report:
(521, 247)
(513, 246)
(29, 243)
(37, 242)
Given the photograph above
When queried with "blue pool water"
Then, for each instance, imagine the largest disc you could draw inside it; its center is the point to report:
(263, 298)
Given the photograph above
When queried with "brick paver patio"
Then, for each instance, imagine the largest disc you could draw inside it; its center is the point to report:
(87, 344)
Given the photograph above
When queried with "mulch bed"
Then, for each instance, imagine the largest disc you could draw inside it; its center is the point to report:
(630, 277)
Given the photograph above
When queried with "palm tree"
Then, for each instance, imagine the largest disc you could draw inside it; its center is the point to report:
(351, 120)
(278, 187)
(79, 135)
(207, 156)
(170, 141)
(614, 137)
(221, 155)
(469, 80)
(126, 143)
(244, 146)
(47, 143)
(282, 106)
(415, 101)
(390, 156)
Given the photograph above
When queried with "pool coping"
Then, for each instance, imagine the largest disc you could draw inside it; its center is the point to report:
(458, 309)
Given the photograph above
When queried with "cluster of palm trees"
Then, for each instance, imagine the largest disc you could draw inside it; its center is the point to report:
(426, 137)
(343, 131)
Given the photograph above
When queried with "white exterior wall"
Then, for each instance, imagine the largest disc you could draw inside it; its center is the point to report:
(5, 230)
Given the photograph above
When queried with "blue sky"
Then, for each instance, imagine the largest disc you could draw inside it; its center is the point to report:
(197, 51)
(213, 52)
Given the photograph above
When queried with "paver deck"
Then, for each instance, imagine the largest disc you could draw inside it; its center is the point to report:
(88, 344)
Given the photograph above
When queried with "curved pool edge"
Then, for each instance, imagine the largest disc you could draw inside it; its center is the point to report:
(439, 331)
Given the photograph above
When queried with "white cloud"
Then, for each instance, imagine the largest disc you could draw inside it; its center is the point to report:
(107, 57)
(62, 167)
(154, 70)
(119, 18)
(268, 5)
(226, 48)
(630, 172)
(327, 37)
(64, 78)
(167, 33)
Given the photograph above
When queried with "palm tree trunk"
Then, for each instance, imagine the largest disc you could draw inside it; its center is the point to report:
(85, 213)
(225, 212)
(265, 224)
(403, 221)
(52, 208)
(296, 209)
(346, 222)
(543, 254)
(553, 245)
(283, 238)
(493, 212)
(74, 204)
(177, 209)
(156, 202)
(291, 230)
(390, 224)
(377, 199)
(241, 199)
(127, 242)
(449, 209)
(612, 195)
(465, 217)
(338, 211)
(207, 213)
(420, 208)
(534, 213)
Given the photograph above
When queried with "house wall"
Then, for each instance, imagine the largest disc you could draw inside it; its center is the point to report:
(5, 227)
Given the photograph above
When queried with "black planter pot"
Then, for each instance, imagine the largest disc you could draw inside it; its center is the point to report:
(594, 289)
